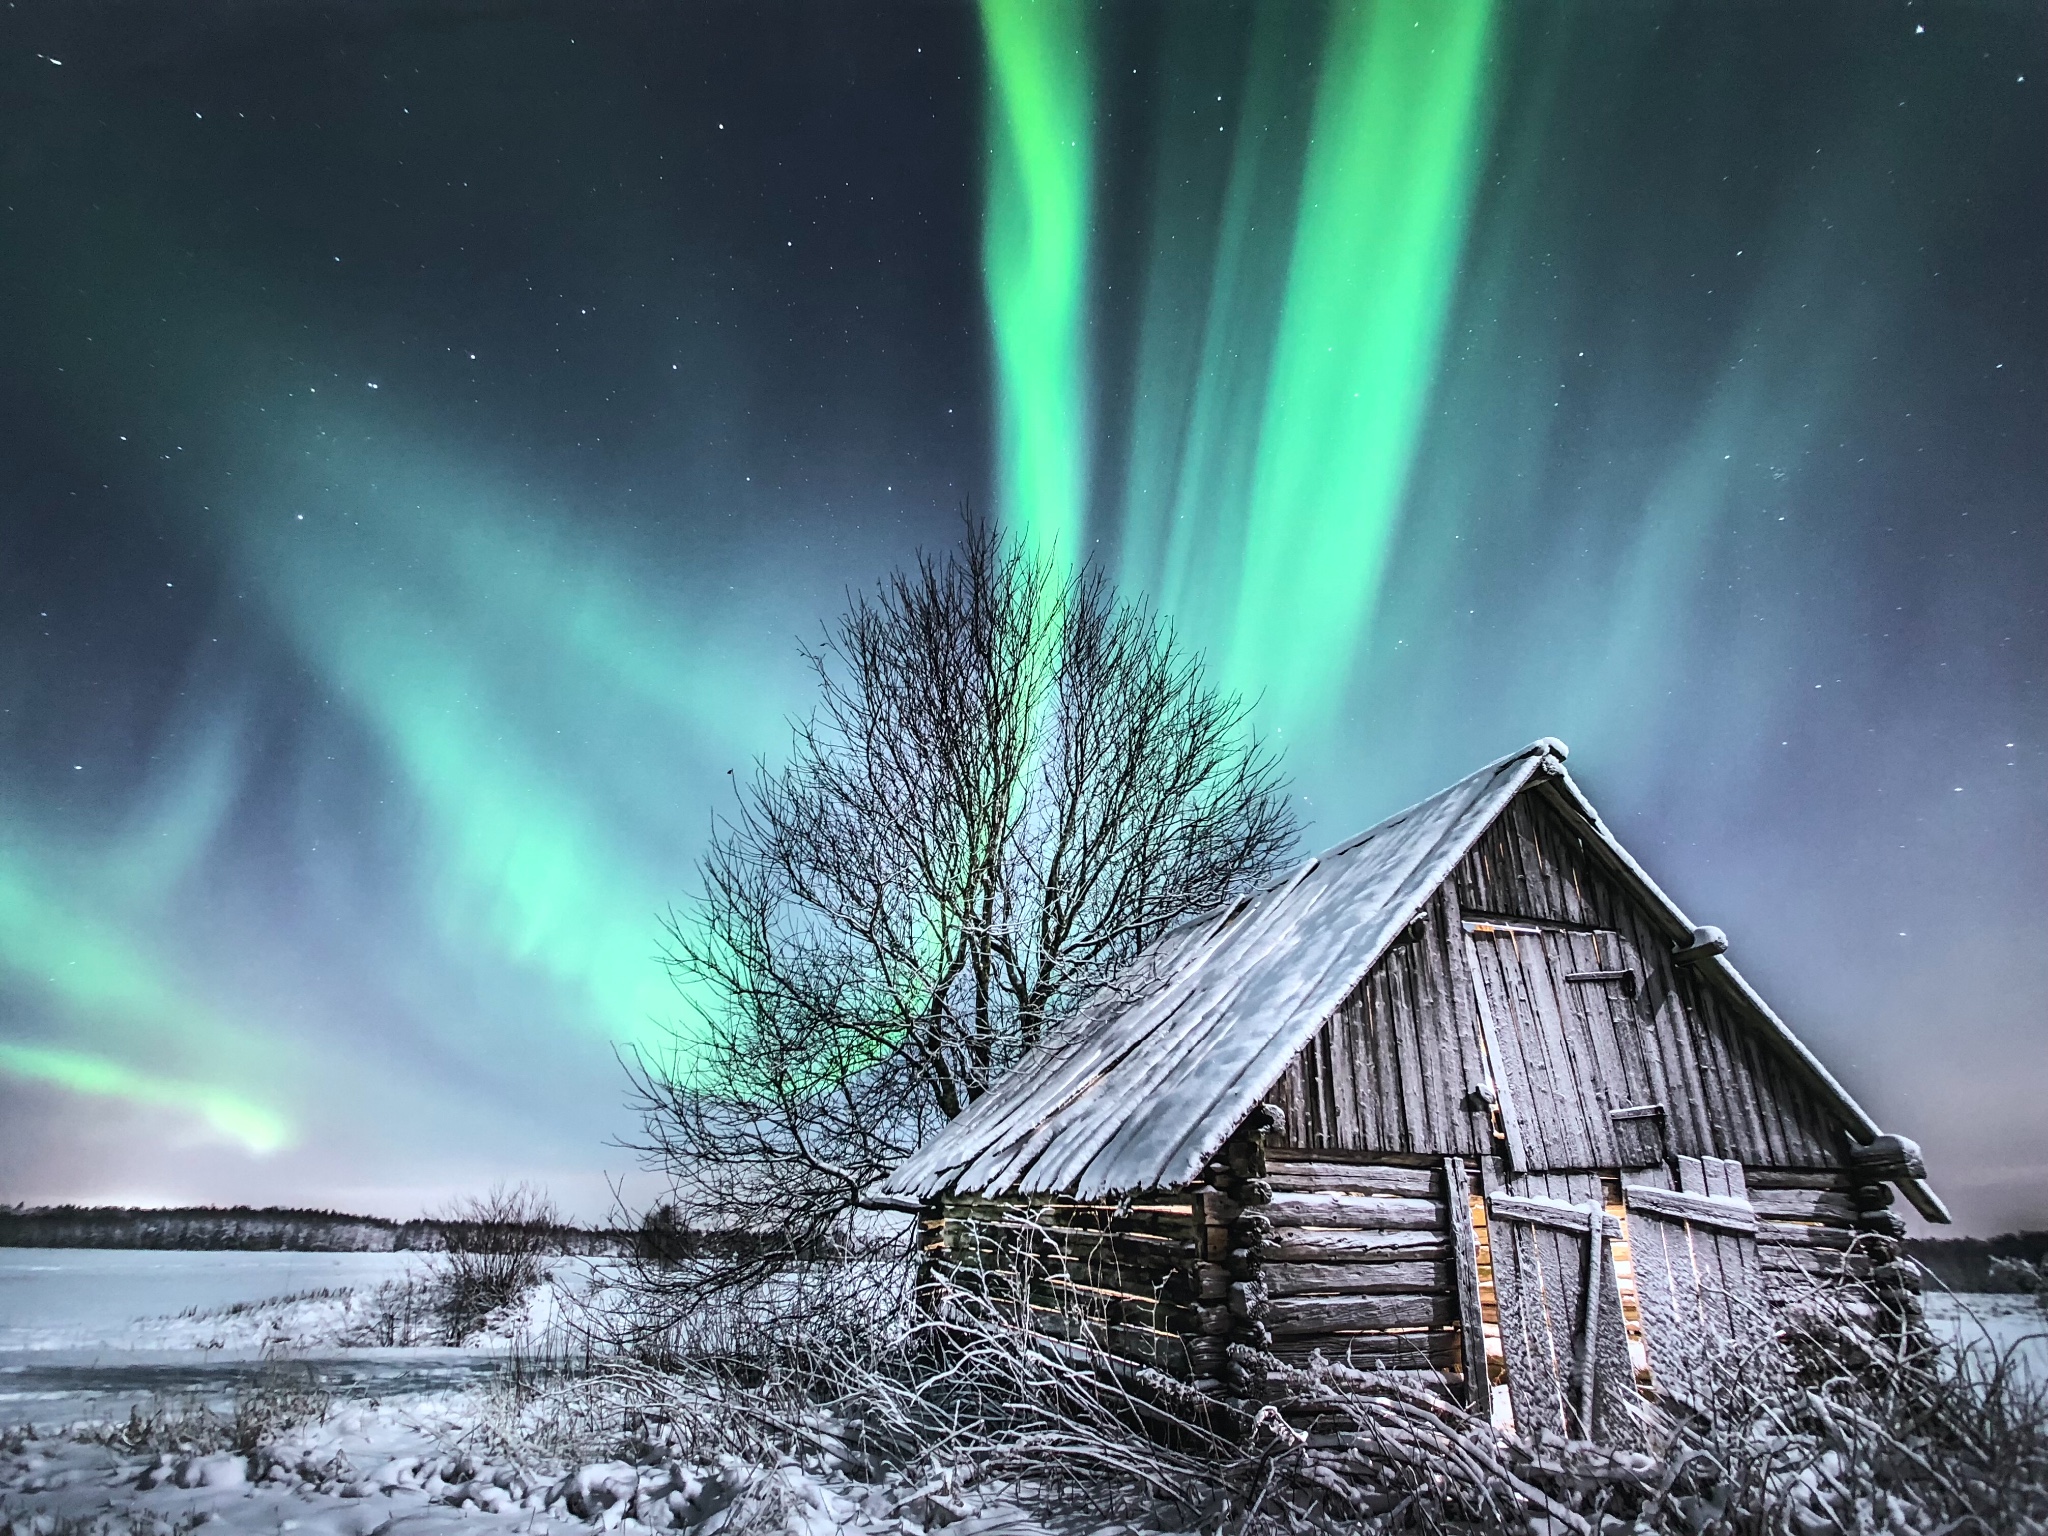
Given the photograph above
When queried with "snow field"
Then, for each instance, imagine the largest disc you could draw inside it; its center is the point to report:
(397, 1468)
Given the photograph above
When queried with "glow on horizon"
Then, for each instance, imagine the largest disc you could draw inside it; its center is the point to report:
(129, 1004)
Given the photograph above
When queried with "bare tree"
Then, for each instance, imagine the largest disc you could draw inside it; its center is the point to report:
(1012, 782)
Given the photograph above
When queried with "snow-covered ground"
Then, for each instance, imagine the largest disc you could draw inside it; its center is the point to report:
(252, 1415)
(419, 1466)
(277, 1427)
(2013, 1327)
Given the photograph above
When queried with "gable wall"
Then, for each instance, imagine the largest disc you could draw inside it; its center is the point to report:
(1387, 1073)
(1390, 1071)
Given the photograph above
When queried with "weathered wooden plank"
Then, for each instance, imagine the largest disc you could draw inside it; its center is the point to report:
(1292, 1316)
(1383, 1212)
(1128, 1250)
(1662, 1260)
(1168, 1352)
(1510, 1084)
(1478, 1139)
(1794, 1234)
(1172, 1203)
(1116, 1311)
(1471, 1312)
(1577, 960)
(1798, 1178)
(1635, 1039)
(1128, 1247)
(1716, 1211)
(1716, 1071)
(1406, 1035)
(1762, 1108)
(1357, 1279)
(1355, 1096)
(1551, 1093)
(1304, 1176)
(1805, 1205)
(1525, 1275)
(1541, 1211)
(1735, 1130)
(1291, 1093)
(1175, 1222)
(1555, 1104)
(1434, 1349)
(1586, 1361)
(1328, 1089)
(1678, 1039)
(1599, 1081)
(1428, 1021)
(1002, 1279)
(1825, 1262)
(1108, 1260)
(1340, 1245)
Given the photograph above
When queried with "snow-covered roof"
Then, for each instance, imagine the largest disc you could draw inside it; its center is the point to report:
(1152, 1075)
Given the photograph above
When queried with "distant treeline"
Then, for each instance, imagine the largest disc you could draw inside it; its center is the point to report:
(1964, 1263)
(245, 1227)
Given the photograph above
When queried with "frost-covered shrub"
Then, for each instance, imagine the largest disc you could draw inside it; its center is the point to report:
(498, 1248)
(2029, 1278)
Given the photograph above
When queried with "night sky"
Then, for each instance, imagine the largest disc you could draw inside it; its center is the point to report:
(426, 431)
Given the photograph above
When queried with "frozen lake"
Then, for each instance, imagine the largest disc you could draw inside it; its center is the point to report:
(85, 1332)
(96, 1298)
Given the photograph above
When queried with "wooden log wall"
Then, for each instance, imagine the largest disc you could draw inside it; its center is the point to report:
(1352, 1259)
(1127, 1279)
(1266, 1260)
(1824, 1228)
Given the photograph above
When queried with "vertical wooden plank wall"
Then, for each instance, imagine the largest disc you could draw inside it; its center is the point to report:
(1725, 1090)
(1391, 1071)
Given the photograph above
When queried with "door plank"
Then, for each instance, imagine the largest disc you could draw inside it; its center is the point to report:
(1508, 1094)
(1696, 1276)
(1471, 1315)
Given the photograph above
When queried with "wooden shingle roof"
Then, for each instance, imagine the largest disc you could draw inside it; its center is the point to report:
(1152, 1075)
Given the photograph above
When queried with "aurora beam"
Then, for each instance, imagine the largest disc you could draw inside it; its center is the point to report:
(1035, 263)
(1386, 192)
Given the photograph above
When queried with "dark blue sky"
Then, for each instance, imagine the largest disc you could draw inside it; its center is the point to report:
(425, 430)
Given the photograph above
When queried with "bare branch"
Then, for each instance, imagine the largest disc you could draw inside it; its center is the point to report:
(1011, 783)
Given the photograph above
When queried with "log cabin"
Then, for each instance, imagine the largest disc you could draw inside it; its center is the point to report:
(1466, 1095)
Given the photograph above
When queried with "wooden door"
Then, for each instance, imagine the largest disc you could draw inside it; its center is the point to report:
(1555, 1292)
(1697, 1279)
(1575, 1078)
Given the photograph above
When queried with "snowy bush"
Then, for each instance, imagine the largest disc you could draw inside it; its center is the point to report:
(499, 1245)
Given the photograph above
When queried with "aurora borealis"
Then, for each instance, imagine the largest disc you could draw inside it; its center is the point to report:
(428, 430)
